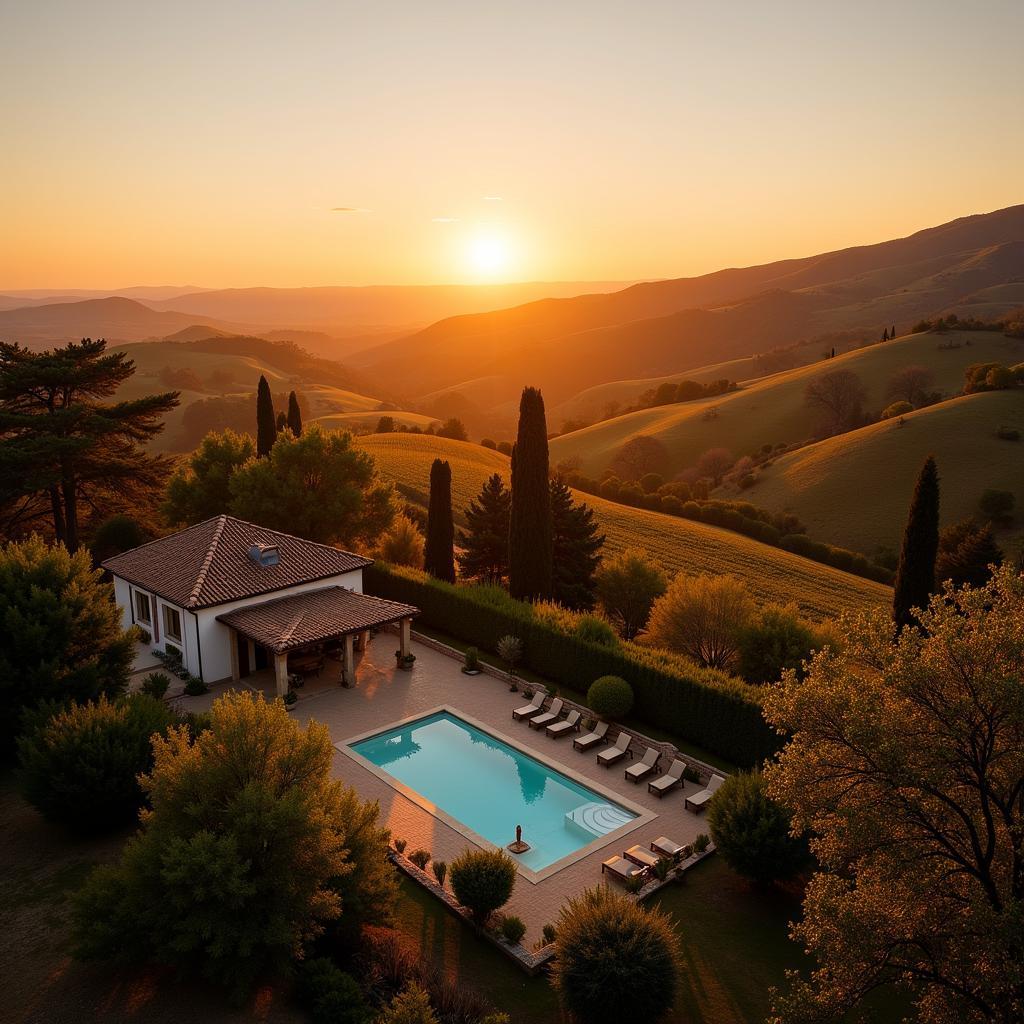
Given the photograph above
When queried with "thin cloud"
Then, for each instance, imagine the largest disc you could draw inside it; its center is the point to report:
(348, 209)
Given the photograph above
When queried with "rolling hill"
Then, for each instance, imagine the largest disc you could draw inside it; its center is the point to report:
(772, 410)
(665, 327)
(680, 545)
(854, 490)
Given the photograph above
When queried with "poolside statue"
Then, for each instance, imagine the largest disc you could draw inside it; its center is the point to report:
(519, 846)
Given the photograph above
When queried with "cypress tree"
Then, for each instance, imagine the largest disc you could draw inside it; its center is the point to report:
(576, 549)
(294, 415)
(281, 422)
(484, 545)
(439, 554)
(915, 576)
(529, 536)
(266, 421)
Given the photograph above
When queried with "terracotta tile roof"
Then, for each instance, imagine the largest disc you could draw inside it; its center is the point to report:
(208, 564)
(285, 623)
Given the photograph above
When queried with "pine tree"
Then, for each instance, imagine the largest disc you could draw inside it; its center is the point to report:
(576, 549)
(915, 576)
(294, 415)
(65, 448)
(266, 421)
(885, 334)
(439, 555)
(966, 550)
(529, 537)
(484, 554)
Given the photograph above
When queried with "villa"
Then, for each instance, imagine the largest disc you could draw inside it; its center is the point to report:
(230, 598)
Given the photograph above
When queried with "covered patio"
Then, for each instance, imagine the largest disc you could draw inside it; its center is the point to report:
(308, 627)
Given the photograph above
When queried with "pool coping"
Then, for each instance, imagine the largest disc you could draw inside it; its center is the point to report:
(644, 815)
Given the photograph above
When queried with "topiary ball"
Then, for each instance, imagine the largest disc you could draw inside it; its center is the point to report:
(610, 697)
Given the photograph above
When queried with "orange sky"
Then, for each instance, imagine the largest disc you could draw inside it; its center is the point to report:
(214, 143)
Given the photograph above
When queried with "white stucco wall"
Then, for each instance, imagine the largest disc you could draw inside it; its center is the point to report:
(206, 647)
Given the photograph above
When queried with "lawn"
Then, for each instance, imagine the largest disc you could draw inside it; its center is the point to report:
(679, 545)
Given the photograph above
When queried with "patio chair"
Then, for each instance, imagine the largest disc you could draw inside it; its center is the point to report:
(616, 753)
(549, 716)
(647, 764)
(567, 724)
(640, 857)
(531, 709)
(667, 848)
(621, 869)
(592, 739)
(672, 778)
(700, 800)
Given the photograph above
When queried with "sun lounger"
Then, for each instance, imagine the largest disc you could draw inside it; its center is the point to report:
(592, 739)
(647, 764)
(699, 801)
(672, 778)
(622, 869)
(568, 724)
(665, 847)
(549, 716)
(531, 709)
(616, 753)
(640, 857)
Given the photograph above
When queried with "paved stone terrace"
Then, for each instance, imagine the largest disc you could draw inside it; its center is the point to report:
(384, 694)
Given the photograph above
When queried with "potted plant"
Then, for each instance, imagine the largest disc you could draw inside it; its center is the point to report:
(472, 665)
(406, 662)
(290, 699)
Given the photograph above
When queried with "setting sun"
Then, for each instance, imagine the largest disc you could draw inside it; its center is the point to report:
(489, 254)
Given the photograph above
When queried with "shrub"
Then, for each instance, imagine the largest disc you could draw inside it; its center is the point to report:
(440, 869)
(143, 635)
(81, 767)
(997, 505)
(701, 843)
(896, 409)
(752, 832)
(1008, 434)
(488, 443)
(116, 534)
(702, 617)
(593, 629)
(774, 640)
(472, 660)
(482, 881)
(420, 858)
(615, 960)
(232, 872)
(156, 684)
(400, 845)
(671, 505)
(610, 697)
(329, 994)
(403, 544)
(548, 934)
(512, 929)
(510, 650)
(699, 705)
(195, 687)
(410, 1006)
(62, 635)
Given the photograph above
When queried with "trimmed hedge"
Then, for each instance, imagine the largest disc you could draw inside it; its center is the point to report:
(704, 707)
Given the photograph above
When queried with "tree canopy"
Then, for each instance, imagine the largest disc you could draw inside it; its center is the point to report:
(906, 763)
(65, 452)
(915, 574)
(627, 586)
(318, 486)
(530, 537)
(483, 545)
(266, 420)
(439, 554)
(201, 486)
(576, 547)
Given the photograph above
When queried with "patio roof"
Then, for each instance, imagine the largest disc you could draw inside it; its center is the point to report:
(288, 623)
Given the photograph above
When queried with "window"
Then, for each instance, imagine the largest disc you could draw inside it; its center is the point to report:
(172, 623)
(142, 608)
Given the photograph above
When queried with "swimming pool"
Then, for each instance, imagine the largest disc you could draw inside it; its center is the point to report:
(490, 787)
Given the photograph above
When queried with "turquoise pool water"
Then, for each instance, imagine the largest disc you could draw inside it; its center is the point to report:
(491, 787)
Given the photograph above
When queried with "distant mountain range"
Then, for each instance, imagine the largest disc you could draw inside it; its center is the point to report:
(566, 345)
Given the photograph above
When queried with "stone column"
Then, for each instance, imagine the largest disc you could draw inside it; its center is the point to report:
(281, 670)
(349, 671)
(235, 675)
(252, 655)
(405, 635)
